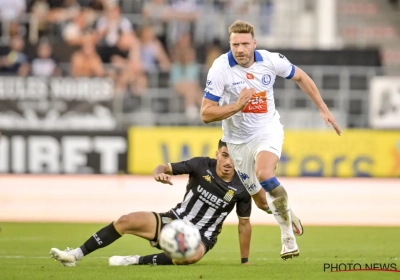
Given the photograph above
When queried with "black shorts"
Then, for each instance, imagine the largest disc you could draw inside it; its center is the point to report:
(165, 218)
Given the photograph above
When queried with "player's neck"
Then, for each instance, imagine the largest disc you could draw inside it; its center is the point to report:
(249, 64)
(225, 178)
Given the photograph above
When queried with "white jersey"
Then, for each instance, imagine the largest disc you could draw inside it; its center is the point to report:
(225, 81)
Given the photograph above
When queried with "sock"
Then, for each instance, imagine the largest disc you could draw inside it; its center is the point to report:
(156, 259)
(100, 239)
(278, 203)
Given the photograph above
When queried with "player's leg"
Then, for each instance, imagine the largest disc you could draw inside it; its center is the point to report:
(161, 258)
(260, 199)
(266, 149)
(142, 224)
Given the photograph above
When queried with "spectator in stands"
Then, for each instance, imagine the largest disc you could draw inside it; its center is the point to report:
(15, 62)
(86, 62)
(153, 55)
(109, 28)
(213, 52)
(127, 67)
(39, 12)
(62, 12)
(73, 31)
(158, 13)
(185, 77)
(187, 12)
(12, 10)
(44, 65)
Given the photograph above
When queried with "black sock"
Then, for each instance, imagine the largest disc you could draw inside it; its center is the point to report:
(100, 239)
(156, 259)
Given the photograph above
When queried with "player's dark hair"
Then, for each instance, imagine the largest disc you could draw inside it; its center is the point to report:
(221, 144)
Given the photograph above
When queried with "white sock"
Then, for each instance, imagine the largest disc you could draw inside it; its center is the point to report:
(78, 254)
(283, 216)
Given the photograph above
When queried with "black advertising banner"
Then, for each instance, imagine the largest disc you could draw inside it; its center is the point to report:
(39, 152)
(62, 104)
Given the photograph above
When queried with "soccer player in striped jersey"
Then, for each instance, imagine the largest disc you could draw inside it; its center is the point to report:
(213, 190)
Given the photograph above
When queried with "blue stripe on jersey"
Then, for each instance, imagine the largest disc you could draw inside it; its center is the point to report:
(211, 96)
(291, 73)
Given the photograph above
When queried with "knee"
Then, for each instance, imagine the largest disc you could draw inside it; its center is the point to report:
(122, 224)
(261, 205)
(260, 200)
(265, 174)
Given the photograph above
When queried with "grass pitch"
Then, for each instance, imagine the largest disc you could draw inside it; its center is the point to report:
(24, 249)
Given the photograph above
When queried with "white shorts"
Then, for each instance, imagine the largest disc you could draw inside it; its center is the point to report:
(244, 155)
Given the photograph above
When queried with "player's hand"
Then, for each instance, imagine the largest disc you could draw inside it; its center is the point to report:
(244, 97)
(163, 178)
(328, 118)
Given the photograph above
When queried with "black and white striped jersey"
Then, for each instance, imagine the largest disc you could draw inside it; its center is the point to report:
(208, 199)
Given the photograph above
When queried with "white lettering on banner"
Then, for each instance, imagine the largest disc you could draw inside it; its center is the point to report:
(18, 154)
(4, 159)
(385, 102)
(18, 88)
(73, 152)
(56, 103)
(47, 154)
(109, 150)
(88, 89)
(44, 154)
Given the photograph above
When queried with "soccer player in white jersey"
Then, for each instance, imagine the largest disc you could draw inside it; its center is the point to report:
(239, 91)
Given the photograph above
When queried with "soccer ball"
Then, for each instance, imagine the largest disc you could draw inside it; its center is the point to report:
(180, 239)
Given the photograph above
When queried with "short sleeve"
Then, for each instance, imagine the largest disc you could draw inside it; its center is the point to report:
(215, 83)
(188, 166)
(243, 206)
(283, 66)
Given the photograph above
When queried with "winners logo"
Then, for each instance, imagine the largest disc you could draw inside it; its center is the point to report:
(229, 195)
(257, 104)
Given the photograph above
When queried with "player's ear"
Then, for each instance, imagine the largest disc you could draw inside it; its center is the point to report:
(216, 154)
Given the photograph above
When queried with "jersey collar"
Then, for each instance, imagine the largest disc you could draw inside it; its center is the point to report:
(232, 61)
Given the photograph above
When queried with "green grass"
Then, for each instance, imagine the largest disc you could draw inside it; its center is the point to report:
(24, 255)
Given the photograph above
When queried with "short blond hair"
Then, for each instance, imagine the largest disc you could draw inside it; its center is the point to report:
(240, 26)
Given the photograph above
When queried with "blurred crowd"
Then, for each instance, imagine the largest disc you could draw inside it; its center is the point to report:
(126, 40)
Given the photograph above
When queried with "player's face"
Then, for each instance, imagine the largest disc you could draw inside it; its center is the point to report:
(243, 46)
(224, 162)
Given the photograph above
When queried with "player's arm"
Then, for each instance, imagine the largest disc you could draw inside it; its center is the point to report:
(244, 228)
(210, 110)
(308, 86)
(162, 173)
(287, 70)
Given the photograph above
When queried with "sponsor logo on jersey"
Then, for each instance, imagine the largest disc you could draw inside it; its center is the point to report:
(249, 76)
(237, 83)
(210, 198)
(229, 195)
(257, 104)
(207, 178)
